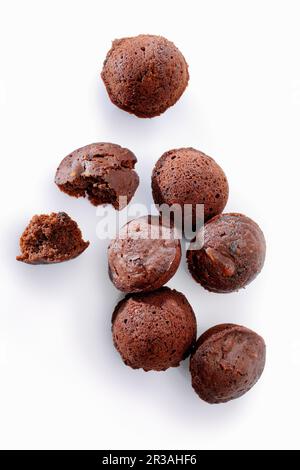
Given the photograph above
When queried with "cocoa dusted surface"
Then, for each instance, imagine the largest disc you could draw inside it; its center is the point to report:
(226, 362)
(51, 239)
(144, 256)
(232, 256)
(154, 330)
(103, 172)
(144, 75)
(188, 176)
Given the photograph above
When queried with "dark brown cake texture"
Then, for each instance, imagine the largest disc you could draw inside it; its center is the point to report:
(103, 172)
(232, 255)
(144, 256)
(51, 239)
(226, 362)
(144, 75)
(188, 176)
(154, 330)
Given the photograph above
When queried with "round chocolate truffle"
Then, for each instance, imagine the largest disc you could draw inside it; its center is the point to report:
(188, 176)
(226, 362)
(51, 239)
(232, 253)
(154, 330)
(144, 75)
(103, 172)
(144, 256)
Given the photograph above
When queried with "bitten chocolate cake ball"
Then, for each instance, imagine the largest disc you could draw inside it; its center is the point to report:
(188, 176)
(154, 330)
(51, 239)
(144, 256)
(232, 255)
(144, 75)
(226, 362)
(103, 172)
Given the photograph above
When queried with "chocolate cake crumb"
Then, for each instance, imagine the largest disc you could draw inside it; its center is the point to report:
(51, 239)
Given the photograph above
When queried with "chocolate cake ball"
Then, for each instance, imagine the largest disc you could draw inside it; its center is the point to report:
(144, 75)
(144, 256)
(232, 255)
(51, 239)
(103, 172)
(188, 176)
(154, 330)
(226, 362)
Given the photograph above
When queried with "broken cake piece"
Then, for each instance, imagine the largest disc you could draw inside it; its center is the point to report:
(51, 239)
(103, 172)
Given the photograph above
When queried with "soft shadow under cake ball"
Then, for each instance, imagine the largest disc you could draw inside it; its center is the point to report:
(231, 253)
(145, 74)
(154, 330)
(187, 176)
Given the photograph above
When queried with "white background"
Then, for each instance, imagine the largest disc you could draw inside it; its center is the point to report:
(62, 384)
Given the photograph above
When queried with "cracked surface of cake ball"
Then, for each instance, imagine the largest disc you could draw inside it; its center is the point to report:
(102, 172)
(154, 330)
(226, 362)
(232, 255)
(144, 256)
(51, 239)
(188, 176)
(144, 75)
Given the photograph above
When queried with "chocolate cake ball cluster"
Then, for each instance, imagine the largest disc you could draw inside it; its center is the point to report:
(154, 327)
